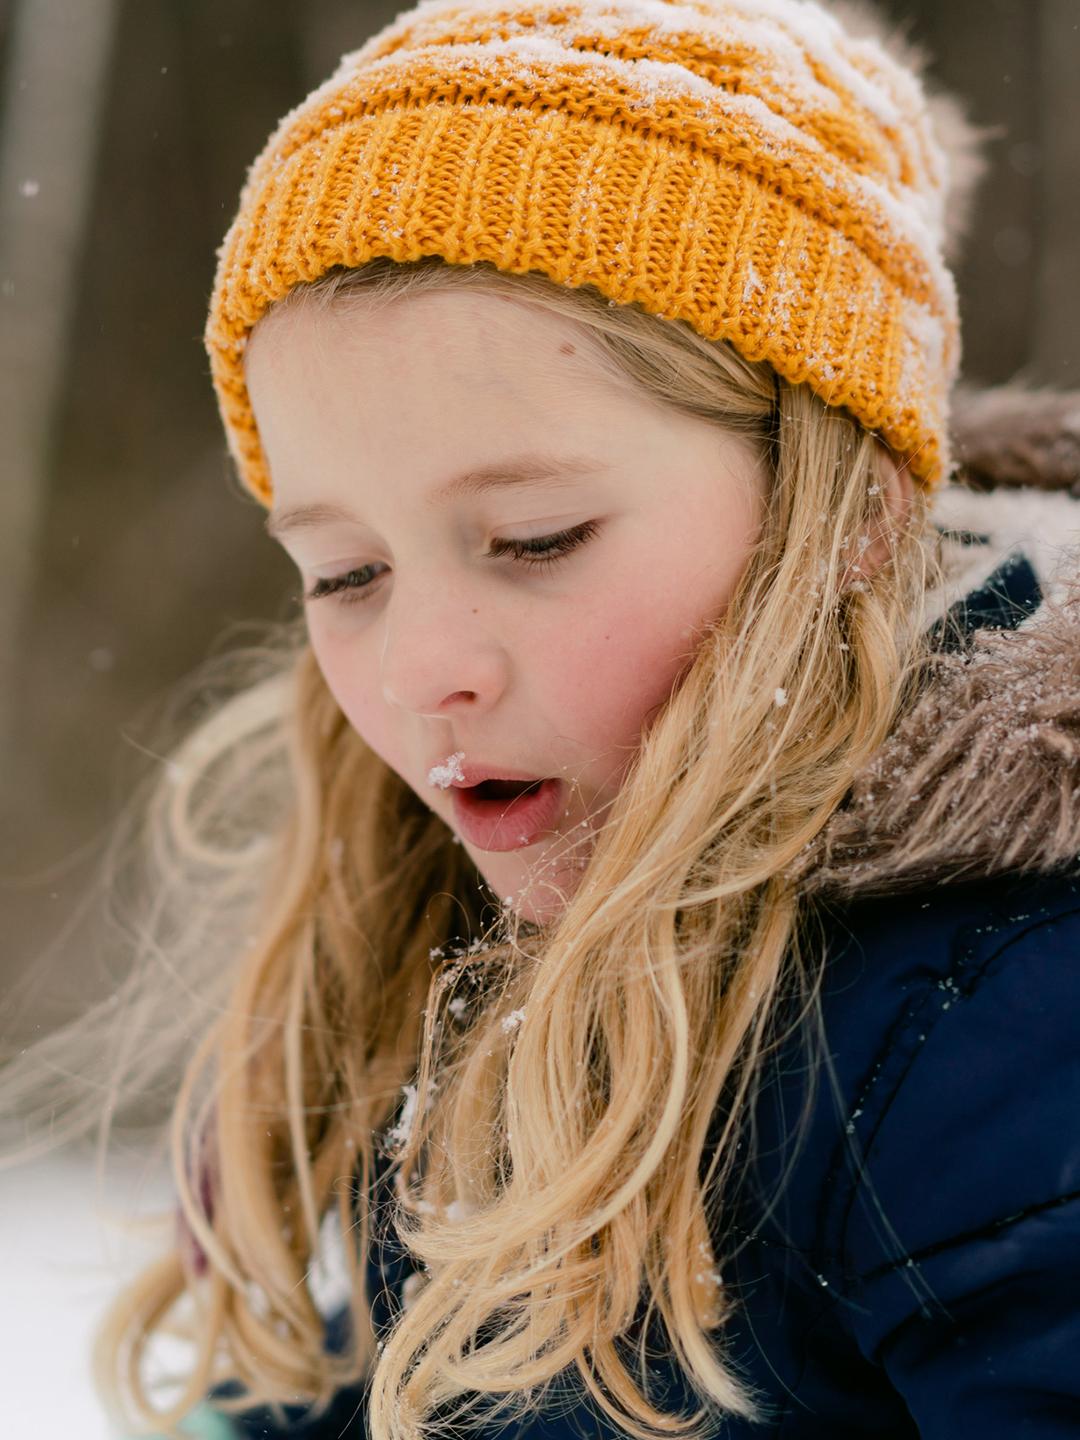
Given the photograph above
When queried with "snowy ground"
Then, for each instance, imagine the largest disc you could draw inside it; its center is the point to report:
(64, 1250)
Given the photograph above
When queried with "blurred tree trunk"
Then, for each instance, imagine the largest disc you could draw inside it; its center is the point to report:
(1056, 347)
(334, 27)
(57, 68)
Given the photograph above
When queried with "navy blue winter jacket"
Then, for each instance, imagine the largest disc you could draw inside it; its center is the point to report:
(918, 1273)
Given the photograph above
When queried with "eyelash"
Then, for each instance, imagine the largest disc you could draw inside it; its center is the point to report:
(555, 547)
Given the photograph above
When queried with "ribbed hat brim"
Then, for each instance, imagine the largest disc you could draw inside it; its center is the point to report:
(689, 232)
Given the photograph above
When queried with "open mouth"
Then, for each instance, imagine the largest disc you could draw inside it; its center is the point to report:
(506, 814)
(504, 789)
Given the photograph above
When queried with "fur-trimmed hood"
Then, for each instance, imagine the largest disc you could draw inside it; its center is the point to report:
(982, 775)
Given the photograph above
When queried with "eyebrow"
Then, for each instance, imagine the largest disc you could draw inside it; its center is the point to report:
(520, 471)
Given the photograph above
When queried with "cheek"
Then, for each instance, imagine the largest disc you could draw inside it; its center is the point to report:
(608, 678)
(611, 676)
(345, 669)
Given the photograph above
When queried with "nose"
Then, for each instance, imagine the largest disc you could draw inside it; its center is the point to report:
(438, 653)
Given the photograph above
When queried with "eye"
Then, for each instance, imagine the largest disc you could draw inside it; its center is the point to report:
(539, 552)
(351, 586)
(544, 550)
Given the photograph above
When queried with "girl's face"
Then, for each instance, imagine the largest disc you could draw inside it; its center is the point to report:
(421, 456)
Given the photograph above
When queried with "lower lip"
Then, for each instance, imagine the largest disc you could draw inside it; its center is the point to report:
(507, 824)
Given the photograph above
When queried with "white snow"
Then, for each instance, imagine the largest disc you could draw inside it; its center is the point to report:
(411, 1286)
(818, 35)
(64, 1256)
(652, 79)
(1043, 524)
(924, 351)
(257, 1299)
(459, 1210)
(328, 1275)
(400, 1132)
(444, 775)
(753, 284)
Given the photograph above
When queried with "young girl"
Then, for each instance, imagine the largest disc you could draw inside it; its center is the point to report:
(626, 938)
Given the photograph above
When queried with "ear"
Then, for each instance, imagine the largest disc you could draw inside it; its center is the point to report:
(898, 492)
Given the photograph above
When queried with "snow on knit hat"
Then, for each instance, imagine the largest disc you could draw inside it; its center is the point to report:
(746, 166)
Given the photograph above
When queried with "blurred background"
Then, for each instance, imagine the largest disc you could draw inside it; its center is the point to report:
(126, 127)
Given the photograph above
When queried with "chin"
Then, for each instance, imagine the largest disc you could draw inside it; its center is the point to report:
(534, 913)
(542, 903)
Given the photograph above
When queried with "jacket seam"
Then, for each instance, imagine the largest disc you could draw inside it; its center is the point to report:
(968, 1237)
(925, 1012)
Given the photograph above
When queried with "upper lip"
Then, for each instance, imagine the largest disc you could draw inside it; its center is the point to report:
(477, 774)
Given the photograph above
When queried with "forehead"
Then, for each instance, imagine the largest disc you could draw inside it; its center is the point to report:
(433, 386)
(488, 341)
(373, 405)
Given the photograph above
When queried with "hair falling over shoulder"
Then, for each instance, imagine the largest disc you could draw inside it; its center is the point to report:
(562, 1157)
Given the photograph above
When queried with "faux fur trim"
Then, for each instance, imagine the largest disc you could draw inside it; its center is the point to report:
(982, 776)
(1044, 526)
(1014, 435)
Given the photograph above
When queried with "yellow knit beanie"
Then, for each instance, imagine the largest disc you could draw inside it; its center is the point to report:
(743, 165)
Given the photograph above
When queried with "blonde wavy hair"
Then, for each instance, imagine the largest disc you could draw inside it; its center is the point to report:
(575, 1092)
